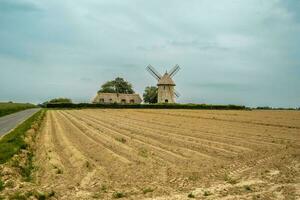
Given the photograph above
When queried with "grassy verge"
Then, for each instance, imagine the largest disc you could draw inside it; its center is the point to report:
(8, 108)
(14, 141)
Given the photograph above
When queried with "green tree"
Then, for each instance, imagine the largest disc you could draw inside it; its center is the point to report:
(60, 100)
(119, 85)
(150, 94)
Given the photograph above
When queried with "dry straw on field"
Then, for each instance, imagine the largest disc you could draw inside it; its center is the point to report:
(170, 154)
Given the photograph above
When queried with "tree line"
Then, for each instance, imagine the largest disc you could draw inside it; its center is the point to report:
(118, 85)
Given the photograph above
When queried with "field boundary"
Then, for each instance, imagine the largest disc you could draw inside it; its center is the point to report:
(147, 106)
(12, 142)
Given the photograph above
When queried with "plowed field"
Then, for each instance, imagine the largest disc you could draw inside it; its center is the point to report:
(170, 154)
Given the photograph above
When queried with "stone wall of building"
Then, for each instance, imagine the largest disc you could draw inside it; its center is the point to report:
(117, 98)
(165, 94)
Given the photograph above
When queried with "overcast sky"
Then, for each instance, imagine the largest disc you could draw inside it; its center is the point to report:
(230, 51)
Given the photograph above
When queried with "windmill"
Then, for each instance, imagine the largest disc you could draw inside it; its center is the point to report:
(165, 84)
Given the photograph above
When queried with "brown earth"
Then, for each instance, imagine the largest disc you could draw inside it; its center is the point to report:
(170, 154)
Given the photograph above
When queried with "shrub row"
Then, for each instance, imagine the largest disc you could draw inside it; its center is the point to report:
(13, 142)
(147, 106)
(274, 108)
(8, 108)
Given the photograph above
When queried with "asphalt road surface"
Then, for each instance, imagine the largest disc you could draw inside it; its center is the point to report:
(11, 121)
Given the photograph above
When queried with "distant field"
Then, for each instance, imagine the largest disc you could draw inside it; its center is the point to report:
(170, 154)
(8, 108)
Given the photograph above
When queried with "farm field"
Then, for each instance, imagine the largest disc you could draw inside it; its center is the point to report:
(169, 154)
(8, 108)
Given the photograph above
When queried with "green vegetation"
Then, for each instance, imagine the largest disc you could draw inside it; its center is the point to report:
(143, 152)
(8, 108)
(57, 101)
(27, 168)
(118, 195)
(9, 184)
(88, 164)
(147, 190)
(230, 180)
(122, 140)
(191, 195)
(119, 85)
(17, 196)
(1, 185)
(247, 187)
(274, 108)
(59, 171)
(150, 94)
(99, 194)
(103, 188)
(12, 142)
(207, 193)
(33, 194)
(148, 106)
(60, 100)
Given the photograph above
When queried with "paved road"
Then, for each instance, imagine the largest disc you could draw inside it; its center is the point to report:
(9, 122)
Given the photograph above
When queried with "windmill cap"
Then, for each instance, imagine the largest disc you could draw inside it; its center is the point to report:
(166, 80)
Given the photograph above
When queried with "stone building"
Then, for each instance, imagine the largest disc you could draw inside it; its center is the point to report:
(107, 98)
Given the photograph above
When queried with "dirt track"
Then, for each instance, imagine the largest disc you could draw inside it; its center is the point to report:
(168, 154)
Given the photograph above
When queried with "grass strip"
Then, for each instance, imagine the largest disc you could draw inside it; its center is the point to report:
(13, 142)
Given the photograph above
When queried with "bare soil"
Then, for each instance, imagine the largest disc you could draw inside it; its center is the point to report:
(169, 154)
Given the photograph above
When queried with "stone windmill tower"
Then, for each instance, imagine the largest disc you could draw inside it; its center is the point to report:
(165, 84)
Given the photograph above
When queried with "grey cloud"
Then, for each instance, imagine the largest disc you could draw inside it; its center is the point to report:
(226, 49)
(222, 86)
(11, 6)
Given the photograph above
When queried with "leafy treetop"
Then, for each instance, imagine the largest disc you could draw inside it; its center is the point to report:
(150, 94)
(119, 85)
(60, 100)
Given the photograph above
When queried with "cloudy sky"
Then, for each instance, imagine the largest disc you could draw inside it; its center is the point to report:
(230, 51)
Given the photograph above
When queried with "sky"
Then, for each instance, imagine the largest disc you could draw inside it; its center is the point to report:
(230, 51)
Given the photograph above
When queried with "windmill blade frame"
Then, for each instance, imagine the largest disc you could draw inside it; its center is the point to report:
(153, 72)
(177, 94)
(174, 70)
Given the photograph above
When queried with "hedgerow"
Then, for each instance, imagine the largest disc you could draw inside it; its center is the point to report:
(148, 106)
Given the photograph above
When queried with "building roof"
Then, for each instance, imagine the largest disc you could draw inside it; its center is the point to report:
(166, 80)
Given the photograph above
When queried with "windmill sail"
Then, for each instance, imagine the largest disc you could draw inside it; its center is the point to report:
(177, 94)
(153, 72)
(174, 71)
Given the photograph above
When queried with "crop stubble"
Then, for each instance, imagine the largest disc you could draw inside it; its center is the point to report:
(173, 152)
